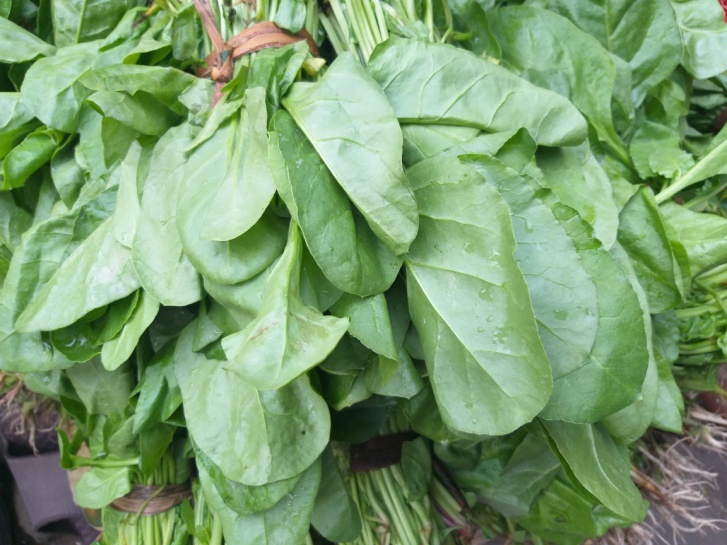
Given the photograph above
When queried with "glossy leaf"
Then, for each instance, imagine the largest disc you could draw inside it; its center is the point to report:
(349, 121)
(340, 241)
(268, 354)
(369, 322)
(704, 34)
(488, 368)
(76, 21)
(24, 159)
(455, 87)
(119, 349)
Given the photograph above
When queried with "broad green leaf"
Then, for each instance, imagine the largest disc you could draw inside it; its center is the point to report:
(669, 400)
(14, 221)
(630, 423)
(24, 159)
(51, 89)
(369, 322)
(241, 498)
(19, 45)
(15, 121)
(238, 303)
(340, 241)
(286, 522)
(141, 111)
(97, 273)
(153, 445)
(656, 151)
(287, 338)
(76, 21)
(644, 34)
(455, 87)
(164, 270)
(350, 122)
(335, 515)
(281, 432)
(68, 175)
(159, 394)
(644, 236)
(164, 83)
(102, 391)
(564, 297)
(119, 349)
(612, 376)
(564, 515)
(551, 52)
(575, 177)
(472, 308)
(416, 467)
(704, 34)
(704, 236)
(425, 141)
(599, 465)
(99, 486)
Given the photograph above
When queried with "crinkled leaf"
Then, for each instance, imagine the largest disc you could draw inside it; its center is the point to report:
(343, 245)
(455, 87)
(350, 122)
(287, 338)
(472, 308)
(281, 432)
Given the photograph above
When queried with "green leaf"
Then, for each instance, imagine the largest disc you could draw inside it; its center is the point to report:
(704, 236)
(335, 515)
(455, 87)
(159, 394)
(669, 400)
(612, 376)
(119, 349)
(14, 221)
(710, 164)
(102, 391)
(644, 34)
(290, 15)
(599, 465)
(472, 308)
(287, 338)
(349, 121)
(416, 466)
(96, 274)
(141, 111)
(704, 34)
(24, 159)
(241, 498)
(369, 322)
(99, 486)
(19, 45)
(281, 432)
(425, 141)
(551, 52)
(287, 522)
(76, 21)
(158, 256)
(656, 151)
(340, 241)
(15, 121)
(246, 185)
(564, 297)
(163, 82)
(575, 177)
(644, 236)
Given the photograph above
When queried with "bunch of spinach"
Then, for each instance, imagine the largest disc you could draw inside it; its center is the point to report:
(476, 239)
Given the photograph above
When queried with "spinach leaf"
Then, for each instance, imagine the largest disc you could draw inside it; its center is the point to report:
(282, 432)
(342, 244)
(350, 122)
(436, 83)
(101, 485)
(485, 360)
(704, 36)
(268, 353)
